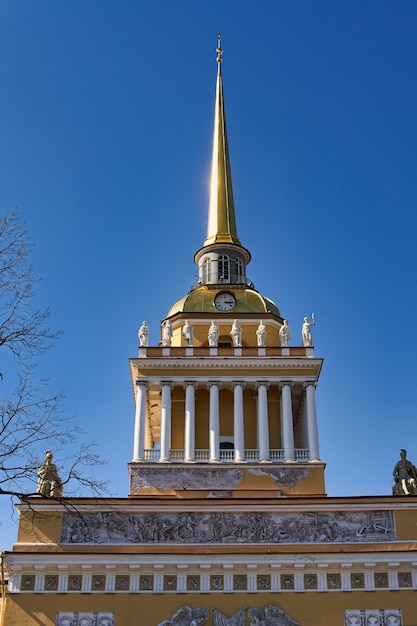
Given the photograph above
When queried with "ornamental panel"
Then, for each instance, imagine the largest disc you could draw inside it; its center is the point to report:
(84, 619)
(270, 615)
(239, 528)
(373, 617)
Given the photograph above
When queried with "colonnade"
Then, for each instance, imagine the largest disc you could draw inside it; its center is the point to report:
(214, 386)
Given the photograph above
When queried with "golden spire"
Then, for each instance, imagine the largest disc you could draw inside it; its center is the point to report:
(221, 218)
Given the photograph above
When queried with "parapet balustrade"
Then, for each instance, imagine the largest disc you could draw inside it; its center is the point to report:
(225, 351)
(152, 455)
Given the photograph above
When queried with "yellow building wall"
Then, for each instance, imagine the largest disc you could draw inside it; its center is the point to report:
(40, 527)
(308, 609)
(406, 526)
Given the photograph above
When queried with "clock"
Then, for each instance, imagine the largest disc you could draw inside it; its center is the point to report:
(225, 301)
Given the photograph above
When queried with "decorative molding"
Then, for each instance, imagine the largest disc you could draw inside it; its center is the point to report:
(84, 619)
(228, 528)
(373, 617)
(215, 581)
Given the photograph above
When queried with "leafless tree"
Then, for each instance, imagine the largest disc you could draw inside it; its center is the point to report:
(30, 418)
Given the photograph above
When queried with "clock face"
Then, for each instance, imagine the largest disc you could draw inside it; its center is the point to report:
(225, 301)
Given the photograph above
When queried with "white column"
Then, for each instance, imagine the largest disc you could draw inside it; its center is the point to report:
(189, 428)
(140, 421)
(214, 435)
(287, 427)
(165, 421)
(239, 429)
(312, 428)
(263, 421)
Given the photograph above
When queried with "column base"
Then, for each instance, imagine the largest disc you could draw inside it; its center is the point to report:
(289, 461)
(214, 461)
(190, 461)
(164, 461)
(239, 461)
(264, 461)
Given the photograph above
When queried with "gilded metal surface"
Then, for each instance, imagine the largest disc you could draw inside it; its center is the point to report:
(221, 220)
(201, 300)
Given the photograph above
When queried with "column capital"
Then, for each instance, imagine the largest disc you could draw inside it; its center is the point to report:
(140, 381)
(265, 383)
(166, 383)
(310, 382)
(215, 383)
(188, 383)
(282, 383)
(235, 383)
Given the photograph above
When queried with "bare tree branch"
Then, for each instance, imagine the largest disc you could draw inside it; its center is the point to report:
(31, 420)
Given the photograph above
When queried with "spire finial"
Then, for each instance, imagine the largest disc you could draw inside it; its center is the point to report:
(219, 49)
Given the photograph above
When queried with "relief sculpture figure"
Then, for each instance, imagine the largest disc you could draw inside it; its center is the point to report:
(237, 619)
(186, 616)
(271, 615)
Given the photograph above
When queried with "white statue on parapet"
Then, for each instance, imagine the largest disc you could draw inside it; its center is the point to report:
(285, 334)
(49, 482)
(143, 335)
(166, 333)
(236, 334)
(405, 476)
(213, 335)
(261, 335)
(188, 334)
(306, 331)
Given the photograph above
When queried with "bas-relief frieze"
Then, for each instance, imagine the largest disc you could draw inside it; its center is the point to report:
(208, 478)
(221, 527)
(270, 615)
(184, 478)
(283, 477)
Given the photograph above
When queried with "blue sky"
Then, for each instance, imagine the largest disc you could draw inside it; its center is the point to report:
(105, 132)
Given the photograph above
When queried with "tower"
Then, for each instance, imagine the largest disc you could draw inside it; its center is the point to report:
(220, 394)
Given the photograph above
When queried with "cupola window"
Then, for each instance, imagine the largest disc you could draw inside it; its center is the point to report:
(224, 267)
(206, 271)
(239, 269)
